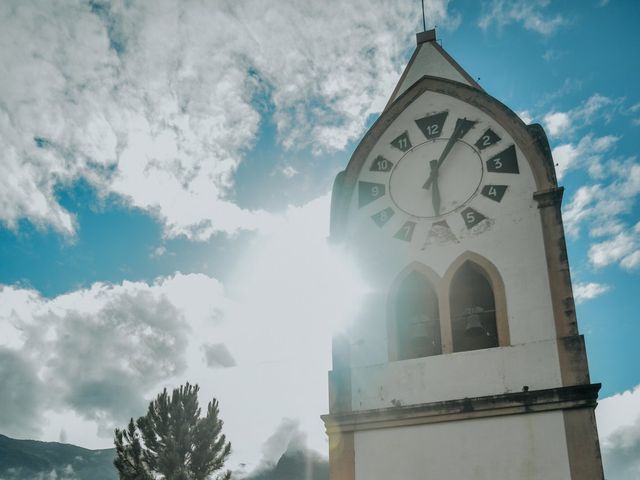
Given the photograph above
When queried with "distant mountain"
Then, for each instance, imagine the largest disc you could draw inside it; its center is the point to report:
(33, 460)
(296, 465)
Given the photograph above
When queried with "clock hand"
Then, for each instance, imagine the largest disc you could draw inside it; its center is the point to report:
(462, 127)
(435, 191)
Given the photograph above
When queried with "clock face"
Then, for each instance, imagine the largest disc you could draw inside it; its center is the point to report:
(442, 167)
(451, 187)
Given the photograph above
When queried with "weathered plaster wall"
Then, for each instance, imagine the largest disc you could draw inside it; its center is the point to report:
(457, 375)
(523, 447)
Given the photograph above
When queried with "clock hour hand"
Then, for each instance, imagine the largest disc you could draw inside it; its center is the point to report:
(462, 127)
(435, 191)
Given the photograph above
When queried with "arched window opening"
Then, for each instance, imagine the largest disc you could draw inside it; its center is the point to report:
(417, 317)
(473, 310)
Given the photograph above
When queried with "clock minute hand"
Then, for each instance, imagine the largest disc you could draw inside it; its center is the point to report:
(462, 127)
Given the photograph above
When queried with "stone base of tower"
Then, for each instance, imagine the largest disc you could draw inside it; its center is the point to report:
(534, 435)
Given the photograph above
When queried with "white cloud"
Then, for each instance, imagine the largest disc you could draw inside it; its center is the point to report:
(287, 436)
(606, 228)
(557, 123)
(552, 54)
(529, 13)
(592, 106)
(89, 359)
(158, 251)
(588, 151)
(580, 208)
(623, 248)
(562, 124)
(631, 261)
(22, 394)
(565, 157)
(588, 291)
(604, 205)
(618, 419)
(604, 208)
(525, 116)
(98, 351)
(218, 356)
(289, 171)
(156, 102)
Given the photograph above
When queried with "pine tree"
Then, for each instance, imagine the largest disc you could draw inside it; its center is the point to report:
(172, 441)
(129, 454)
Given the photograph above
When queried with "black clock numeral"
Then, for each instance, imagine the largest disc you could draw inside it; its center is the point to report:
(494, 192)
(487, 139)
(402, 142)
(406, 231)
(381, 164)
(431, 125)
(368, 192)
(471, 217)
(383, 216)
(504, 162)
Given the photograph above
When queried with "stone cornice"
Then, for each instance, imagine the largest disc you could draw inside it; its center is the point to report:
(549, 198)
(562, 398)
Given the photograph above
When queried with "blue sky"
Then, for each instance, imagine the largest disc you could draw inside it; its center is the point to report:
(185, 153)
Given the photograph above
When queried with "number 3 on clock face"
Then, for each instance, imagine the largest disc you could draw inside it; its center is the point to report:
(504, 162)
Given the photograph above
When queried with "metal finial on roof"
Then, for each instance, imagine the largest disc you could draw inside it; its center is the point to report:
(424, 21)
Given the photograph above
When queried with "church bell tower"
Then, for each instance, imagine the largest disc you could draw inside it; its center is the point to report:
(465, 361)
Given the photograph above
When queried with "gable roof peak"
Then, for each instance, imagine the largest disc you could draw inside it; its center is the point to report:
(429, 58)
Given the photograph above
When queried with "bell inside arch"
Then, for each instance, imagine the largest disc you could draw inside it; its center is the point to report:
(423, 336)
(417, 323)
(473, 323)
(420, 327)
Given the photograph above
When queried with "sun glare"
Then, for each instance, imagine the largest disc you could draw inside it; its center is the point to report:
(299, 284)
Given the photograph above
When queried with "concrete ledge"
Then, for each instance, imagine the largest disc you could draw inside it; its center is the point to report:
(562, 398)
(550, 197)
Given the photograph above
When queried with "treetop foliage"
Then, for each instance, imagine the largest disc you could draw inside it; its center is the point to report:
(172, 441)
